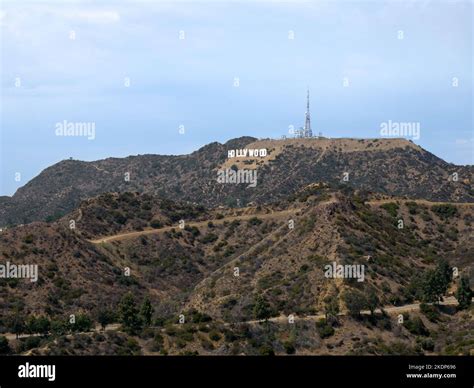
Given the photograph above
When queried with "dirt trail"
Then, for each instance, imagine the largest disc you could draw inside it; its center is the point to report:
(389, 310)
(279, 214)
(97, 328)
(249, 251)
(418, 201)
(122, 236)
(449, 301)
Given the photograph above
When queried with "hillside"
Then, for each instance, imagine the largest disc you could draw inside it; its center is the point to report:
(391, 166)
(192, 270)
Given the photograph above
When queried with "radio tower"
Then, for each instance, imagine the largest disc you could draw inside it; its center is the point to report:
(307, 132)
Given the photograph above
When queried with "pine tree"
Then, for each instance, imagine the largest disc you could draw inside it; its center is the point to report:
(372, 301)
(105, 317)
(261, 309)
(355, 302)
(331, 307)
(83, 323)
(464, 294)
(43, 325)
(128, 312)
(4, 346)
(31, 325)
(17, 324)
(436, 282)
(146, 312)
(445, 273)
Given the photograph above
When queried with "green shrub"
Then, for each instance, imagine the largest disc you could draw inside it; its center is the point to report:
(171, 330)
(416, 326)
(324, 330)
(214, 335)
(254, 221)
(158, 342)
(426, 343)
(412, 207)
(430, 312)
(445, 210)
(209, 238)
(199, 317)
(155, 224)
(266, 350)
(193, 230)
(31, 342)
(391, 208)
(28, 239)
(289, 347)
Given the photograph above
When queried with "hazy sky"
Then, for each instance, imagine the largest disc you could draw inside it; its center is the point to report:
(365, 62)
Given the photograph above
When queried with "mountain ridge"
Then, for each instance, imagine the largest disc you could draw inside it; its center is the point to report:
(395, 166)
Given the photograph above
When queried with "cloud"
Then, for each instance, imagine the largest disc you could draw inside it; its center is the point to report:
(96, 16)
(465, 142)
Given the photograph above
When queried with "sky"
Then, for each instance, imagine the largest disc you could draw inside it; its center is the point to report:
(161, 77)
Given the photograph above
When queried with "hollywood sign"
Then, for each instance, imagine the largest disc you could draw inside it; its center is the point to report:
(243, 153)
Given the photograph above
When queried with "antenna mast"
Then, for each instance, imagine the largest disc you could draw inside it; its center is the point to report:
(307, 124)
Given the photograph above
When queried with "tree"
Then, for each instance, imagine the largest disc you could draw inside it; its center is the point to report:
(83, 323)
(355, 302)
(59, 327)
(4, 346)
(105, 317)
(129, 314)
(146, 312)
(436, 282)
(464, 294)
(331, 307)
(372, 301)
(31, 327)
(261, 308)
(445, 273)
(430, 288)
(414, 291)
(43, 325)
(17, 324)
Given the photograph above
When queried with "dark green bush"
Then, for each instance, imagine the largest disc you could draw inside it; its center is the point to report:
(289, 347)
(324, 330)
(391, 208)
(416, 326)
(155, 224)
(214, 335)
(4, 346)
(445, 210)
